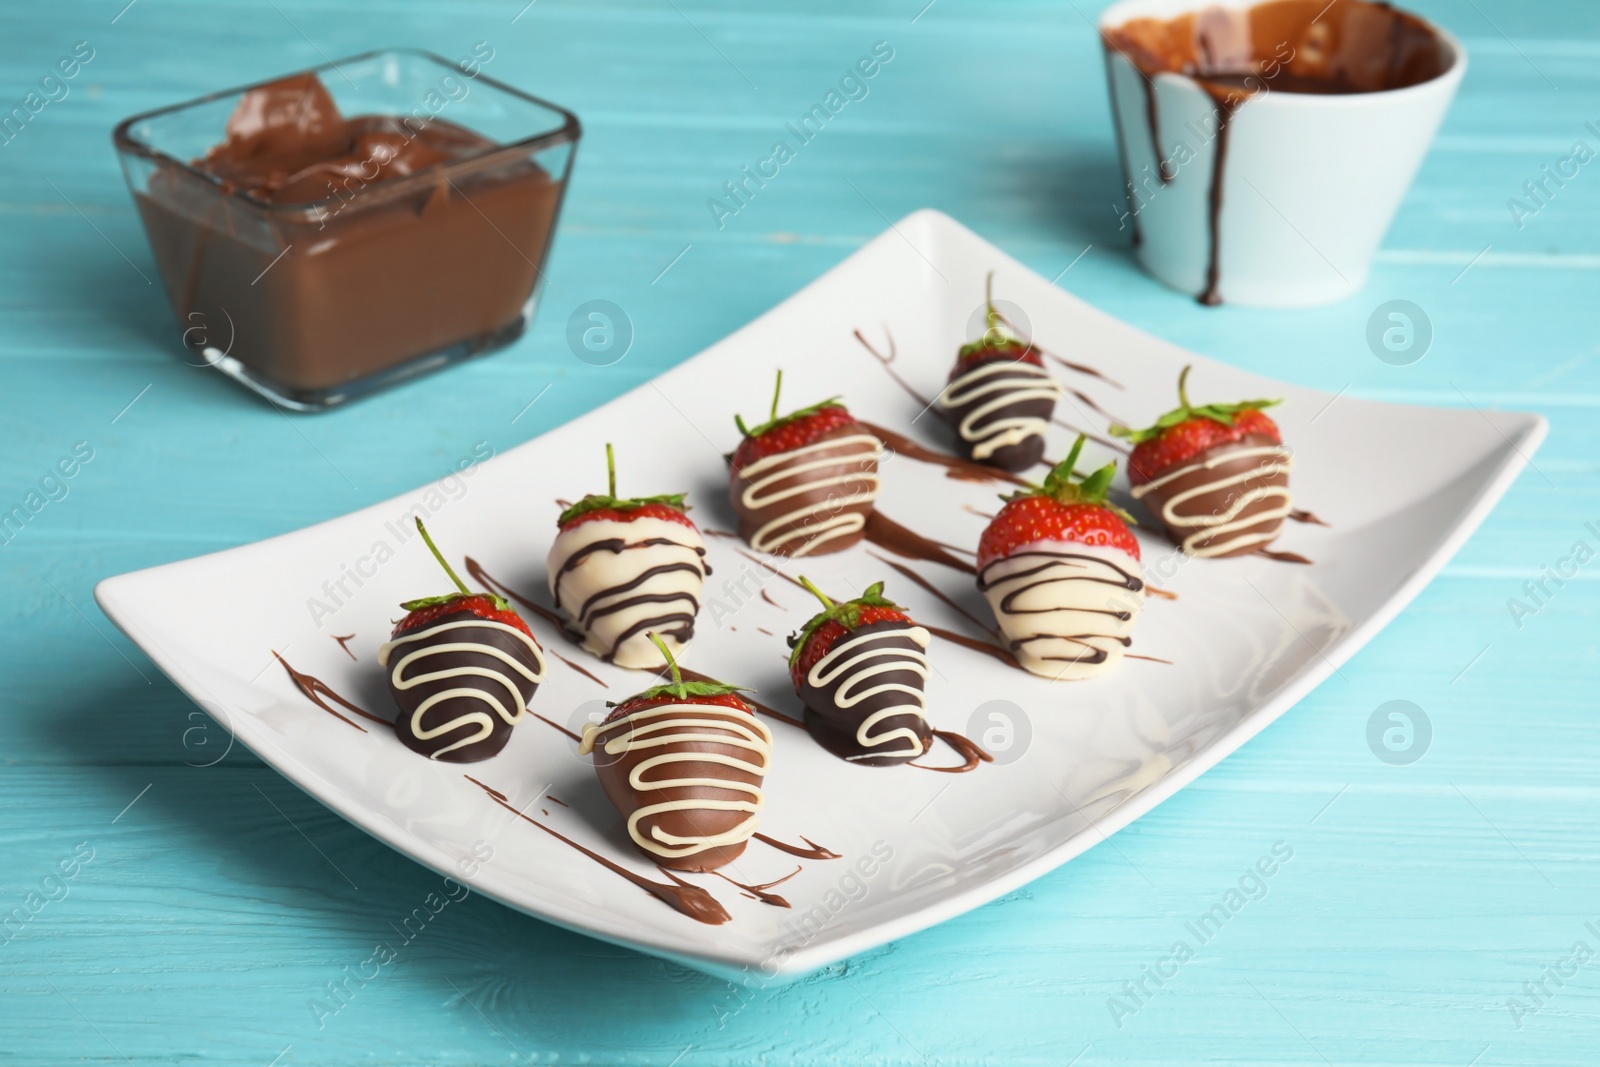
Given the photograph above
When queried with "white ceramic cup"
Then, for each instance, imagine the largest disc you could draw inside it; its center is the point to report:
(1310, 182)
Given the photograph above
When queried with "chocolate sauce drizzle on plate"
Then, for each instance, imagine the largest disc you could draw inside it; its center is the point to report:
(1282, 557)
(758, 892)
(681, 896)
(968, 749)
(902, 541)
(315, 689)
(888, 361)
(696, 676)
(955, 467)
(1302, 515)
(935, 590)
(814, 852)
(484, 578)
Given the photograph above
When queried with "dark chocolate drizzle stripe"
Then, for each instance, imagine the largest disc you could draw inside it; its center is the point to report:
(936, 591)
(1055, 563)
(678, 624)
(482, 577)
(696, 676)
(682, 897)
(887, 361)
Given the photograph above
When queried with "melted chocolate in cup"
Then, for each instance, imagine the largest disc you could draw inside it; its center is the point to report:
(461, 682)
(811, 500)
(1229, 500)
(308, 254)
(864, 699)
(1235, 54)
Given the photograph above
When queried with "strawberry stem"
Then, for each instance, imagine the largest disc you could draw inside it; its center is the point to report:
(992, 335)
(819, 594)
(423, 530)
(1183, 391)
(776, 391)
(1068, 467)
(611, 472)
(672, 664)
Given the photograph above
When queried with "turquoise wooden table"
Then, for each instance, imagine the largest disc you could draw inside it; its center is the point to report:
(1441, 911)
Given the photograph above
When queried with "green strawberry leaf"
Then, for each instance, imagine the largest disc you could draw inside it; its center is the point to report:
(683, 690)
(499, 602)
(599, 501)
(846, 613)
(1220, 413)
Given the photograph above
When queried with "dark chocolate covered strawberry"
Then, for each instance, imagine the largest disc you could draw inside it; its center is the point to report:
(462, 668)
(623, 567)
(684, 763)
(1060, 569)
(803, 484)
(999, 398)
(859, 667)
(1216, 475)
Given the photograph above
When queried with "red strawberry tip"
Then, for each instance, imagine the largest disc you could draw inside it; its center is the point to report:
(774, 421)
(871, 606)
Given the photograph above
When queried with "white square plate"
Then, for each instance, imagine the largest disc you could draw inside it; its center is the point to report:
(1246, 638)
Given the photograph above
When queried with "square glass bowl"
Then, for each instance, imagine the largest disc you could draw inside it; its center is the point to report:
(312, 304)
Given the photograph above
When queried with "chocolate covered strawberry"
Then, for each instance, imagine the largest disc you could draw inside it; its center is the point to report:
(1060, 569)
(999, 398)
(684, 763)
(1217, 475)
(804, 484)
(462, 668)
(859, 668)
(623, 567)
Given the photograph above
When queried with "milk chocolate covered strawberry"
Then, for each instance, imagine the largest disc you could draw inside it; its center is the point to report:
(1216, 475)
(804, 483)
(684, 763)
